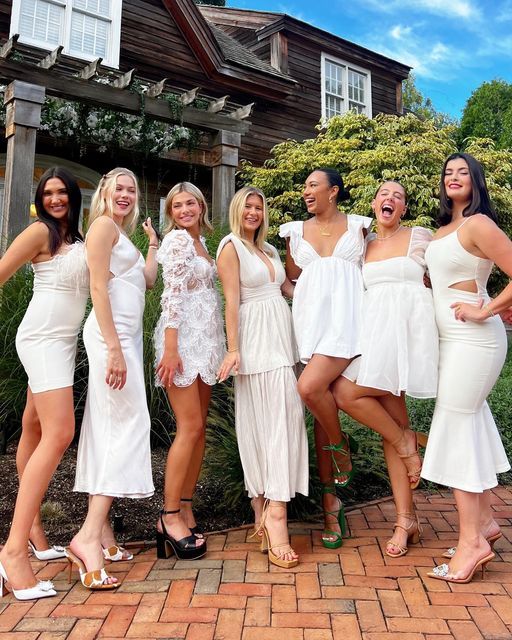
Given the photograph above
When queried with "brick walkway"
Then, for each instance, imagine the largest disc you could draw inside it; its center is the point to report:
(355, 592)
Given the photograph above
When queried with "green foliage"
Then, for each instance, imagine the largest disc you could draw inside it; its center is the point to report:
(488, 114)
(415, 102)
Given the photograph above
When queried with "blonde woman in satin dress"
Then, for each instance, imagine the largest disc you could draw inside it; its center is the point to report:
(114, 458)
(464, 450)
(46, 344)
(269, 416)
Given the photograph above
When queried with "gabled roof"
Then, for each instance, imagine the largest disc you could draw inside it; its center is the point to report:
(225, 59)
(238, 22)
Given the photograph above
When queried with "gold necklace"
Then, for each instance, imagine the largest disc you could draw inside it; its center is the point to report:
(390, 236)
(325, 228)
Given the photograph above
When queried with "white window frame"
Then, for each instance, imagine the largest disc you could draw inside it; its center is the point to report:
(346, 66)
(114, 39)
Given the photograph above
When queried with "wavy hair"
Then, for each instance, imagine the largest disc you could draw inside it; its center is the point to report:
(102, 203)
(236, 216)
(187, 187)
(480, 200)
(71, 233)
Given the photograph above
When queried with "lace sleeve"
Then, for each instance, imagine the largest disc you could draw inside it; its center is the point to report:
(420, 237)
(175, 255)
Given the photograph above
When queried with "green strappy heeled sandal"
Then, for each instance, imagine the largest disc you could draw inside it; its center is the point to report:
(342, 478)
(340, 517)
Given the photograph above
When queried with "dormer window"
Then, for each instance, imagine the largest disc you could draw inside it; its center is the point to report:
(87, 29)
(345, 87)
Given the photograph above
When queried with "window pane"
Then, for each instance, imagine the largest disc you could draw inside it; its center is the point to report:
(356, 86)
(88, 35)
(333, 106)
(333, 78)
(359, 108)
(100, 7)
(41, 20)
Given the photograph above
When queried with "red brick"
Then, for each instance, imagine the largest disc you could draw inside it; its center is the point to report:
(244, 589)
(219, 601)
(257, 612)
(189, 614)
(301, 620)
(460, 599)
(150, 607)
(81, 611)
(370, 616)
(464, 630)
(318, 634)
(439, 611)
(489, 623)
(197, 631)
(15, 612)
(393, 604)
(350, 593)
(370, 581)
(351, 563)
(503, 607)
(417, 625)
(118, 621)
(157, 630)
(19, 635)
(229, 624)
(256, 633)
(345, 627)
(180, 593)
(139, 572)
(85, 629)
(307, 586)
(284, 598)
(114, 598)
(413, 591)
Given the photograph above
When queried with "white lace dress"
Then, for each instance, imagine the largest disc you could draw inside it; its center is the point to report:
(191, 304)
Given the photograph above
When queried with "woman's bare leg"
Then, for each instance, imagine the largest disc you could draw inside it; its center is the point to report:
(56, 415)
(188, 409)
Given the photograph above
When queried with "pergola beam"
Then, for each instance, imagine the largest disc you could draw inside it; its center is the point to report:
(109, 97)
(51, 59)
(9, 46)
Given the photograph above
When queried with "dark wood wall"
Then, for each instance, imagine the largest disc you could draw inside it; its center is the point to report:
(152, 44)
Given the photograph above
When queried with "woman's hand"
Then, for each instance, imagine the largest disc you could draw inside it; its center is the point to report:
(230, 364)
(169, 365)
(116, 369)
(147, 226)
(472, 312)
(506, 315)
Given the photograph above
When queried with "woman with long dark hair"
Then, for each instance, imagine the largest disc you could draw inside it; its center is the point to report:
(464, 450)
(324, 257)
(46, 345)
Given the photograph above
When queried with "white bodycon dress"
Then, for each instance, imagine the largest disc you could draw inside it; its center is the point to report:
(47, 336)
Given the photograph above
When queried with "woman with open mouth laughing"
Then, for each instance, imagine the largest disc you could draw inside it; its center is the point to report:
(399, 351)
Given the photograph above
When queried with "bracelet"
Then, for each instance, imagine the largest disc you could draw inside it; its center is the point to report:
(153, 246)
(232, 350)
(490, 312)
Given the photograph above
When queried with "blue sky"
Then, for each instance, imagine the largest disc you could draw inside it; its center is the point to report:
(453, 45)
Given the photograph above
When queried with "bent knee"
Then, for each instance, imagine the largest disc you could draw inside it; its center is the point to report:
(344, 393)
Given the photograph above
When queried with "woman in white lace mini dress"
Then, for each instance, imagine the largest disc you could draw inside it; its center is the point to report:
(46, 344)
(269, 416)
(189, 347)
(399, 350)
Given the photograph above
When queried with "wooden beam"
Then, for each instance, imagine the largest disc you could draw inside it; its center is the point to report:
(90, 70)
(9, 46)
(242, 112)
(102, 95)
(124, 81)
(154, 90)
(217, 105)
(188, 97)
(51, 59)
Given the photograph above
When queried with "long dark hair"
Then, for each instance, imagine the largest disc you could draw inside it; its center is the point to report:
(335, 180)
(70, 233)
(480, 201)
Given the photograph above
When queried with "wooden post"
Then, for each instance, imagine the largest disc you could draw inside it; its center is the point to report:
(23, 115)
(224, 146)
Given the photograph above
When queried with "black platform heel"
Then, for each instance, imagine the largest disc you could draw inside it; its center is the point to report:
(185, 549)
(196, 531)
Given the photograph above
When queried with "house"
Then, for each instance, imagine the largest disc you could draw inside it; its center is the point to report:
(282, 76)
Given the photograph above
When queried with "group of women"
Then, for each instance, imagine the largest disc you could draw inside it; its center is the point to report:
(364, 331)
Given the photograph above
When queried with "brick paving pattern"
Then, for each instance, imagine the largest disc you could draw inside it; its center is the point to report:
(355, 592)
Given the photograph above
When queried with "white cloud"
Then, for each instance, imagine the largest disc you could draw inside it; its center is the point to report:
(398, 32)
(466, 9)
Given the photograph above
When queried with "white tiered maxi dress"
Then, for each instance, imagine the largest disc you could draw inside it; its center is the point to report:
(47, 336)
(269, 415)
(399, 339)
(114, 457)
(464, 448)
(327, 301)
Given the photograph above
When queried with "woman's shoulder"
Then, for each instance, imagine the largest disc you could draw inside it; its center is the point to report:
(270, 249)
(227, 243)
(288, 229)
(422, 233)
(177, 238)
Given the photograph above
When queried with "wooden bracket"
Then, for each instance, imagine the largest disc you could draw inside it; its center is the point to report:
(154, 90)
(189, 96)
(242, 112)
(90, 70)
(124, 81)
(9, 46)
(217, 105)
(51, 59)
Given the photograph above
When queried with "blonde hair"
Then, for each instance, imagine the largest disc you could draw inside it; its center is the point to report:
(102, 203)
(186, 187)
(236, 215)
